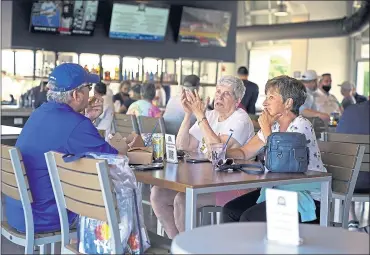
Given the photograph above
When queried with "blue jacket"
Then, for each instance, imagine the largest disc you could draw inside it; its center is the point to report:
(306, 205)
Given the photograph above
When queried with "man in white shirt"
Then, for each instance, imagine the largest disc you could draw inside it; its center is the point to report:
(326, 102)
(309, 109)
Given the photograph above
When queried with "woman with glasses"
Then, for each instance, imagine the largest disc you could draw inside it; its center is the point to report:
(211, 127)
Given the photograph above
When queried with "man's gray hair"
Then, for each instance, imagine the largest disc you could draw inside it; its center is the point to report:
(60, 97)
(236, 83)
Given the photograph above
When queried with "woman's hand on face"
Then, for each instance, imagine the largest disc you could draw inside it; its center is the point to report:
(266, 120)
(196, 104)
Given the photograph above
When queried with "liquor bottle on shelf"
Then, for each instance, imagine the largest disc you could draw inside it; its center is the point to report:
(146, 76)
(107, 76)
(125, 75)
(98, 70)
(151, 76)
(116, 73)
(132, 76)
(137, 76)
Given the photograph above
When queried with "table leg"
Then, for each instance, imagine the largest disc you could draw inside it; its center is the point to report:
(190, 209)
(325, 203)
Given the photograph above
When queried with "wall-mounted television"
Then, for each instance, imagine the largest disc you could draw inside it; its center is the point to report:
(64, 17)
(204, 27)
(138, 22)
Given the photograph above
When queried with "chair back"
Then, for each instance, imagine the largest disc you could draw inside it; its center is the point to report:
(14, 183)
(147, 124)
(343, 161)
(319, 126)
(363, 140)
(126, 124)
(84, 187)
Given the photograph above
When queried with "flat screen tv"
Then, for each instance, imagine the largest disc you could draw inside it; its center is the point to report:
(138, 22)
(204, 27)
(64, 17)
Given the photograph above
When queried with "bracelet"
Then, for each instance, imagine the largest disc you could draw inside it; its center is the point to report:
(200, 121)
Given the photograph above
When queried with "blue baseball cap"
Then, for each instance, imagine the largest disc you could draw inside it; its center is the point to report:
(69, 76)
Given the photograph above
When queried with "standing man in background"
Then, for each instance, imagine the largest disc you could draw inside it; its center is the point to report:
(326, 102)
(251, 91)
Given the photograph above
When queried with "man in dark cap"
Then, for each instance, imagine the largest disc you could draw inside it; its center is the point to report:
(251, 91)
(57, 125)
(174, 114)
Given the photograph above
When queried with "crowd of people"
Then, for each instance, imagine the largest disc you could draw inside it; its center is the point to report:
(68, 123)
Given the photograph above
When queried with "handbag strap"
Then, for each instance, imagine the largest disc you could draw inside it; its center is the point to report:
(244, 168)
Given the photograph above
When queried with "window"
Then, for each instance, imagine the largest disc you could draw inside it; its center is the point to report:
(362, 85)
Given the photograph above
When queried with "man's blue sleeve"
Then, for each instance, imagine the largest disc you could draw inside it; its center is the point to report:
(85, 138)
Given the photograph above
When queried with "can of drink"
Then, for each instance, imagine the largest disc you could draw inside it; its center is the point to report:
(158, 146)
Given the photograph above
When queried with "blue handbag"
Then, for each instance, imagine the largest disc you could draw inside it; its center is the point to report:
(287, 152)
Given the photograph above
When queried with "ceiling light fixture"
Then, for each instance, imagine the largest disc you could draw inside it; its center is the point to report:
(282, 9)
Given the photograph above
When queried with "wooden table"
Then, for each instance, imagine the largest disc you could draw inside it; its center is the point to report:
(195, 179)
(250, 238)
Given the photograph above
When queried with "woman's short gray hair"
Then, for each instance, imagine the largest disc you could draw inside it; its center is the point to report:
(236, 83)
(289, 87)
(60, 97)
(148, 91)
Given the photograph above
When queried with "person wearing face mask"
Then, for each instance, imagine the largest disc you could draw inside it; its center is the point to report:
(308, 109)
(326, 102)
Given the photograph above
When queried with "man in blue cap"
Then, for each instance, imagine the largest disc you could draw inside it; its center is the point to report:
(57, 125)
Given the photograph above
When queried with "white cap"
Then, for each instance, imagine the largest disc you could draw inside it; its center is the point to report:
(309, 75)
(347, 85)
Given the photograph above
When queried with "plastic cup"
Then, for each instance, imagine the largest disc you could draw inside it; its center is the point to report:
(217, 153)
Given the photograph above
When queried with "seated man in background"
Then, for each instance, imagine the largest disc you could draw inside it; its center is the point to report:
(211, 127)
(57, 125)
(174, 114)
(308, 109)
(346, 88)
(356, 120)
(134, 93)
(326, 102)
(145, 106)
(284, 96)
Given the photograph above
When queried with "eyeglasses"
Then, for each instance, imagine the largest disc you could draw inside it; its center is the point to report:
(225, 162)
(89, 86)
